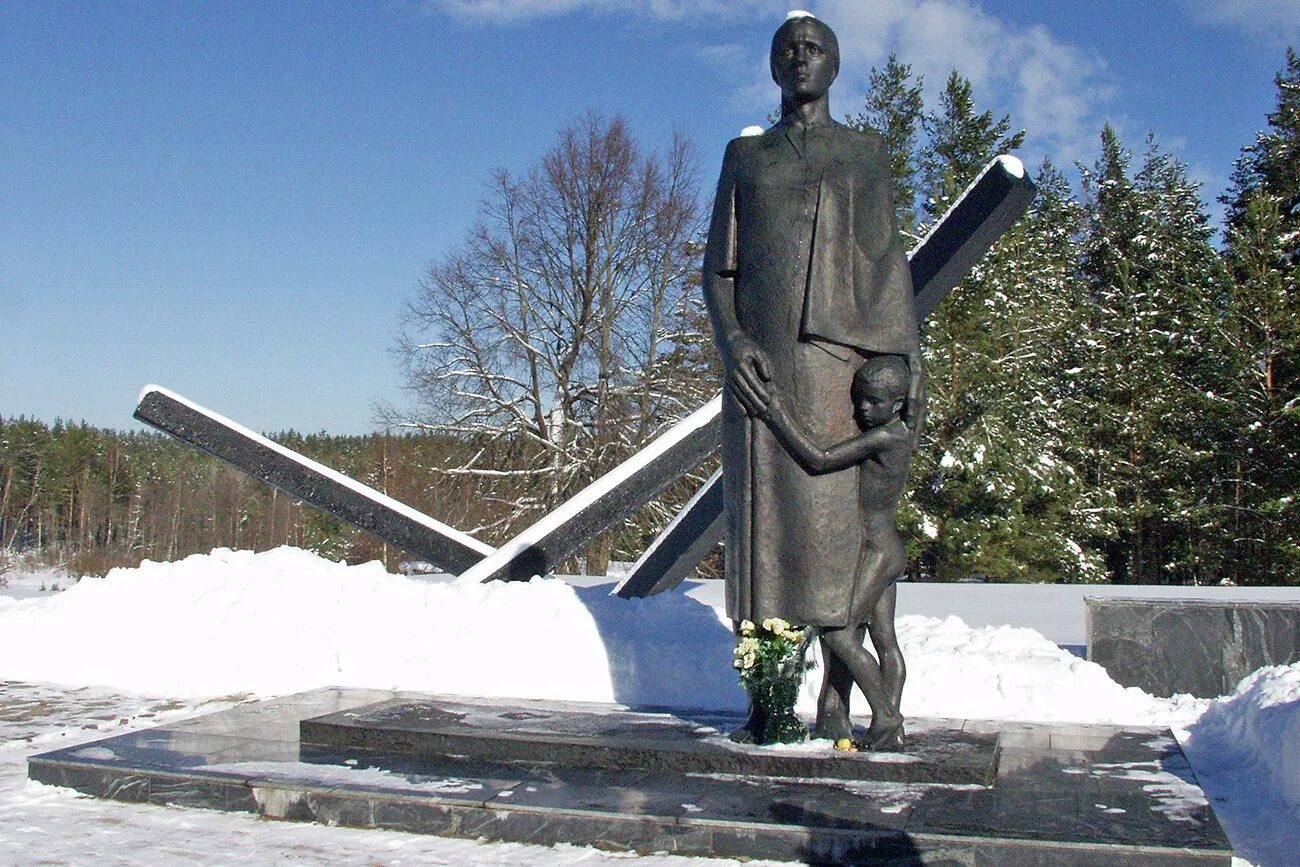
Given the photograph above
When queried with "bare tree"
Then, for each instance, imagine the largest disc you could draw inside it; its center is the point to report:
(541, 339)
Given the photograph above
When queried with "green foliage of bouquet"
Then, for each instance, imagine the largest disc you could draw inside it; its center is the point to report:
(772, 659)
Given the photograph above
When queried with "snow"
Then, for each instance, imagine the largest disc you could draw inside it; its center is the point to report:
(167, 640)
(1245, 749)
(27, 585)
(286, 620)
(682, 513)
(1011, 165)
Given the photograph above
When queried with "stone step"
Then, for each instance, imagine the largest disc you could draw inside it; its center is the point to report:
(685, 742)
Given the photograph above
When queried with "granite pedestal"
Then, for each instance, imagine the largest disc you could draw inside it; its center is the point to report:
(1197, 646)
(1059, 795)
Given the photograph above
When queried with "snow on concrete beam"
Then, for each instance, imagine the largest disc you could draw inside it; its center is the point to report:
(317, 485)
(982, 214)
(611, 498)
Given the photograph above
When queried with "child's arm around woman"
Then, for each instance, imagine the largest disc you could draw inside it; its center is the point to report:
(855, 450)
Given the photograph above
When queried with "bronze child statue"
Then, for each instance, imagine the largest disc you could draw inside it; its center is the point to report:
(882, 453)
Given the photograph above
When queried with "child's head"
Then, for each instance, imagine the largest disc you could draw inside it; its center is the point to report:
(879, 388)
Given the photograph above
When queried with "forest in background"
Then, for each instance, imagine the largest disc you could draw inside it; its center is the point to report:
(89, 499)
(1114, 396)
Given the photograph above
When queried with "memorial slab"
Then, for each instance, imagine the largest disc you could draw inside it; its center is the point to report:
(1061, 795)
(597, 736)
(1197, 646)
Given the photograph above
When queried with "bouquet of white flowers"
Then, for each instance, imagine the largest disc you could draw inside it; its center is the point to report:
(772, 659)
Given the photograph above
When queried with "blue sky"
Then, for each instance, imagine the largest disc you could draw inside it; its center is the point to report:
(233, 199)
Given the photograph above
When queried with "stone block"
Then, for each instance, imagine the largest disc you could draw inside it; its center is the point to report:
(1201, 647)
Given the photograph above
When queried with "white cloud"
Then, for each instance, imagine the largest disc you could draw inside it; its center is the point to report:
(1052, 88)
(1276, 21)
(505, 10)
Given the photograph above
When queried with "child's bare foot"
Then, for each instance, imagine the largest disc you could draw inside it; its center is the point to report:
(885, 734)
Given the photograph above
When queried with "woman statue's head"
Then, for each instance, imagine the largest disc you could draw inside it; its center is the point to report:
(805, 59)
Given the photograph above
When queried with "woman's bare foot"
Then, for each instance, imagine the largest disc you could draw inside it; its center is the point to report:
(833, 725)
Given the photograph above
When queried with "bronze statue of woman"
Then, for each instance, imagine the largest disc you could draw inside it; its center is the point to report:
(805, 277)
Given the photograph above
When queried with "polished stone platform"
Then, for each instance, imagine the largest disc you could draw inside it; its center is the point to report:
(1061, 795)
(684, 742)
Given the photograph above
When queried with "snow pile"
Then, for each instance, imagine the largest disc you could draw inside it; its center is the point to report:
(283, 621)
(286, 620)
(1245, 750)
(1009, 672)
(1258, 726)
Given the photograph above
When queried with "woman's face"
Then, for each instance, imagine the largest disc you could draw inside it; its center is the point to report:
(804, 63)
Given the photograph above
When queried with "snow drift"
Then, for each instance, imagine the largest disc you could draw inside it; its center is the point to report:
(287, 620)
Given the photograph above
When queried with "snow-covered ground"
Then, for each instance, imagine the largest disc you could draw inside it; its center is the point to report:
(166, 640)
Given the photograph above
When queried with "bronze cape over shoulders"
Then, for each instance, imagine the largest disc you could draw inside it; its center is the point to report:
(803, 223)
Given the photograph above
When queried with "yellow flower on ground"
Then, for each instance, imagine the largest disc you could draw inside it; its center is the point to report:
(746, 627)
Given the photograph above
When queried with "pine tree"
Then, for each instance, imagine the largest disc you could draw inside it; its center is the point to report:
(893, 109)
(1155, 364)
(960, 143)
(1271, 164)
(994, 490)
(1263, 324)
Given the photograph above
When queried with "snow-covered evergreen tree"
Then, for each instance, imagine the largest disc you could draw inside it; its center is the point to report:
(959, 143)
(994, 490)
(1156, 369)
(1263, 323)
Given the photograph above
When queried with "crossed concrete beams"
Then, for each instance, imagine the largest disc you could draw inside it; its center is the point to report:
(984, 212)
(536, 551)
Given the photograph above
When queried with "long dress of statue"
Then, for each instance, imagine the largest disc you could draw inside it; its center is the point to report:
(804, 275)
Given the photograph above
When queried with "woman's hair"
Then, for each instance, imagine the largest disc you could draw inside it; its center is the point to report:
(891, 370)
